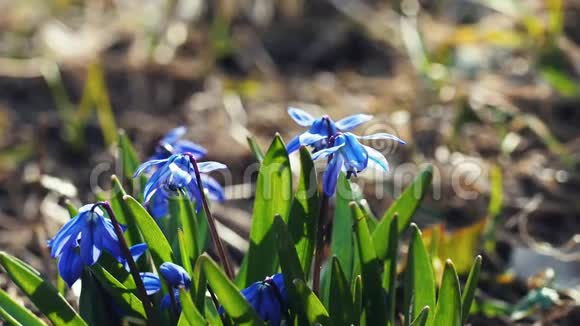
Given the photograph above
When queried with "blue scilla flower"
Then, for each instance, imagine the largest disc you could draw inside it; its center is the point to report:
(350, 156)
(323, 126)
(268, 298)
(172, 143)
(176, 173)
(136, 251)
(175, 276)
(90, 231)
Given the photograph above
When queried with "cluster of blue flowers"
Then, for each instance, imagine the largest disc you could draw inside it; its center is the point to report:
(333, 140)
(174, 169)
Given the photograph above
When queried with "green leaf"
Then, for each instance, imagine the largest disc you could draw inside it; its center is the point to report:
(421, 320)
(448, 311)
(373, 295)
(341, 244)
(129, 159)
(71, 209)
(123, 296)
(183, 209)
(94, 304)
(229, 296)
(157, 243)
(199, 286)
(314, 309)
(44, 296)
(304, 213)
(469, 290)
(342, 310)
(98, 90)
(123, 212)
(390, 271)
(211, 313)
(15, 313)
(419, 278)
(273, 196)
(405, 206)
(357, 298)
(189, 312)
(184, 252)
(255, 148)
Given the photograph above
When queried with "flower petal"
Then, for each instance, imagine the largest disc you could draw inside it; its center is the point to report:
(174, 134)
(382, 135)
(308, 138)
(215, 191)
(325, 152)
(89, 252)
(148, 165)
(70, 266)
(301, 117)
(331, 173)
(68, 234)
(185, 146)
(208, 166)
(293, 145)
(158, 205)
(376, 158)
(352, 121)
(355, 156)
(151, 282)
(175, 275)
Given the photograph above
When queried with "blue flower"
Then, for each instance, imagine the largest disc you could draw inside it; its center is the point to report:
(176, 173)
(323, 126)
(350, 156)
(172, 143)
(91, 231)
(268, 298)
(81, 241)
(175, 275)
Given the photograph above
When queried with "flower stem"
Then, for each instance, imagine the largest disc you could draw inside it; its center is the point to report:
(319, 254)
(211, 222)
(151, 320)
(173, 303)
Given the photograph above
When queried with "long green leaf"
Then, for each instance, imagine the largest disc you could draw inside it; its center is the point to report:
(448, 311)
(405, 206)
(128, 155)
(123, 213)
(273, 196)
(229, 296)
(342, 310)
(189, 312)
(304, 213)
(255, 148)
(421, 320)
(122, 296)
(44, 296)
(419, 278)
(315, 312)
(357, 299)
(157, 243)
(20, 314)
(390, 272)
(94, 304)
(469, 290)
(341, 244)
(373, 294)
(189, 223)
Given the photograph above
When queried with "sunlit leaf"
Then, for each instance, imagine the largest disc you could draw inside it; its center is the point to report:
(188, 310)
(14, 312)
(469, 290)
(341, 305)
(44, 296)
(448, 311)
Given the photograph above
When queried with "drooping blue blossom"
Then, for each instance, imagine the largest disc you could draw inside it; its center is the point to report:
(89, 231)
(176, 173)
(322, 126)
(172, 143)
(175, 276)
(350, 156)
(268, 298)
